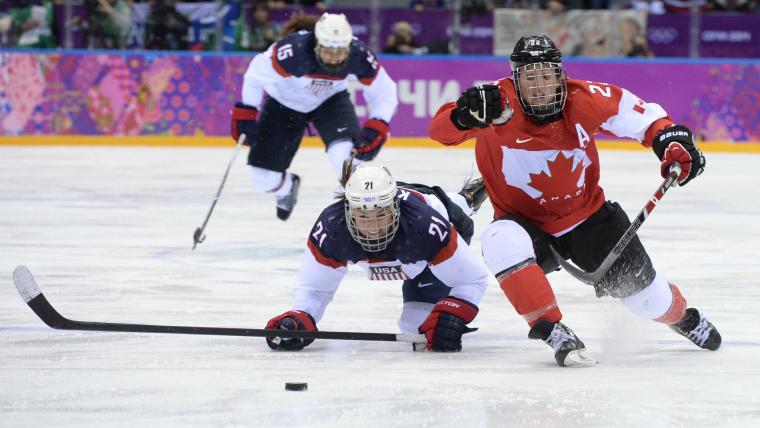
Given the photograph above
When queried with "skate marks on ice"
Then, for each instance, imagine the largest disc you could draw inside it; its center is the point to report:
(120, 258)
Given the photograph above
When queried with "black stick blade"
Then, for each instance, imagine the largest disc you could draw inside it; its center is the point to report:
(198, 237)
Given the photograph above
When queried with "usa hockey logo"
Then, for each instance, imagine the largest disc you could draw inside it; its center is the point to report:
(387, 273)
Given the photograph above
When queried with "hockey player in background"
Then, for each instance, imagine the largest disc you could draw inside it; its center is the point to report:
(536, 152)
(406, 232)
(305, 77)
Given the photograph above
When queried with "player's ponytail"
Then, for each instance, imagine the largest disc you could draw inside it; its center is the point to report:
(299, 21)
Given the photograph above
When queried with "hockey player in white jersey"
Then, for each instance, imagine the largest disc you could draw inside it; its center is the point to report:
(303, 78)
(406, 232)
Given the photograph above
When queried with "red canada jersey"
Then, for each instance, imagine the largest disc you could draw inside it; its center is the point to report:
(549, 173)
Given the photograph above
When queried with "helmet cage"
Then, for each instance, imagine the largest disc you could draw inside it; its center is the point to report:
(373, 228)
(371, 207)
(333, 35)
(541, 89)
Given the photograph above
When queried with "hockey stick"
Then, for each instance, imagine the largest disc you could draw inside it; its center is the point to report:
(32, 295)
(595, 277)
(198, 235)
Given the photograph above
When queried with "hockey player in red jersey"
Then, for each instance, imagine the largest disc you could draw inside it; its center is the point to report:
(305, 78)
(536, 152)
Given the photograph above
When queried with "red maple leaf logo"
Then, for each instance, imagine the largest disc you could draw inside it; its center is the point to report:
(559, 187)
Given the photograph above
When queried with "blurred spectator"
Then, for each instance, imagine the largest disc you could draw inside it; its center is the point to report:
(684, 6)
(29, 24)
(402, 40)
(472, 8)
(166, 28)
(732, 5)
(556, 7)
(110, 23)
(633, 40)
(420, 5)
(655, 7)
(279, 4)
(259, 34)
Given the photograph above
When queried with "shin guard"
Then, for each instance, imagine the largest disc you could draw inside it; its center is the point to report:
(677, 308)
(530, 293)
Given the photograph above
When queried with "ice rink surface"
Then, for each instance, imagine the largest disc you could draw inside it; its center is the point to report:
(108, 231)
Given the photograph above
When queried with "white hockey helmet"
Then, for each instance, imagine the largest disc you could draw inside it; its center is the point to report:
(372, 207)
(332, 30)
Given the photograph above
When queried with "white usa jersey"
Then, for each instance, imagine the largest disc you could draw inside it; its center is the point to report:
(289, 72)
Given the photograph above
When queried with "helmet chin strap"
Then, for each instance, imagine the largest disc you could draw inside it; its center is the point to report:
(331, 68)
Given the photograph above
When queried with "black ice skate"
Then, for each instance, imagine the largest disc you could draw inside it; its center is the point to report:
(286, 203)
(474, 192)
(695, 327)
(569, 350)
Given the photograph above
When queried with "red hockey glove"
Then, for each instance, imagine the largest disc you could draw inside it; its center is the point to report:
(243, 122)
(479, 106)
(370, 139)
(446, 323)
(291, 320)
(676, 145)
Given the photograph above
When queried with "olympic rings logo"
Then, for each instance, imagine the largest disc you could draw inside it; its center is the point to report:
(662, 35)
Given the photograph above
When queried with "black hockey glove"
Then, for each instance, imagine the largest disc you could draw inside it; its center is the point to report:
(370, 139)
(675, 145)
(478, 107)
(243, 122)
(291, 320)
(446, 324)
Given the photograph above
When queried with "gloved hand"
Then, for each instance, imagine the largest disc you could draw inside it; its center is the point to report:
(243, 122)
(446, 323)
(479, 106)
(676, 145)
(291, 320)
(370, 139)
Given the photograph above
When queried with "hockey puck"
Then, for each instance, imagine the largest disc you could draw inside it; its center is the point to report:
(293, 386)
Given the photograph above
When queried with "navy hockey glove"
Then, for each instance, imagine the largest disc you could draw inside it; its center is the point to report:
(446, 323)
(243, 122)
(479, 107)
(370, 139)
(675, 145)
(291, 320)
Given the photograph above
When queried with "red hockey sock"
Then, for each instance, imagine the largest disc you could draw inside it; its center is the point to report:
(531, 294)
(677, 307)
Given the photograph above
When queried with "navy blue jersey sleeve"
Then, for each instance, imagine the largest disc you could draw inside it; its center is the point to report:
(424, 233)
(294, 54)
(363, 62)
(329, 239)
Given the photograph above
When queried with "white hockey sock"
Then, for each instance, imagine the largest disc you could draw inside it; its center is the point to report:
(412, 316)
(461, 201)
(337, 152)
(287, 185)
(271, 181)
(651, 302)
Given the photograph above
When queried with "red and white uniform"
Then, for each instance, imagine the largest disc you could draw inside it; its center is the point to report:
(425, 238)
(289, 72)
(549, 173)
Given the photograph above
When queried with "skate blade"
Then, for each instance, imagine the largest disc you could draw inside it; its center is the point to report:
(578, 358)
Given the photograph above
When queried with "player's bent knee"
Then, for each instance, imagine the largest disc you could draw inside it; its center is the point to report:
(505, 244)
(264, 179)
(337, 152)
(413, 315)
